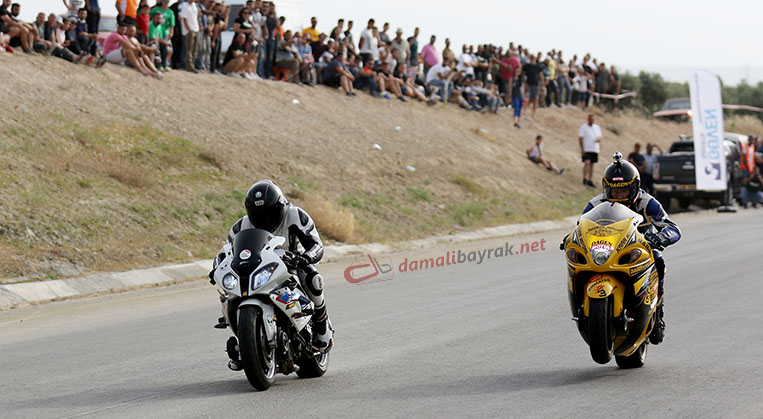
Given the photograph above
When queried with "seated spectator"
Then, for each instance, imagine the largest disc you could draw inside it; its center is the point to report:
(306, 71)
(20, 33)
(336, 74)
(119, 50)
(238, 62)
(408, 86)
(367, 77)
(439, 75)
(752, 189)
(287, 56)
(387, 81)
(160, 33)
(486, 99)
(58, 39)
(39, 26)
(148, 52)
(86, 41)
(535, 154)
(4, 40)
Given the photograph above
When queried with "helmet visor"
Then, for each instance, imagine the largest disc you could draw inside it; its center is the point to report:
(266, 218)
(619, 194)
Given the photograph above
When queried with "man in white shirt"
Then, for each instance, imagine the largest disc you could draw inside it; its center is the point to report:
(439, 76)
(589, 137)
(650, 157)
(368, 43)
(466, 62)
(189, 15)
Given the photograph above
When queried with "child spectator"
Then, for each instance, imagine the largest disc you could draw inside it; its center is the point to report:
(143, 23)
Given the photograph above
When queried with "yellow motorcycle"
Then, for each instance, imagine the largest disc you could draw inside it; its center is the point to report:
(612, 284)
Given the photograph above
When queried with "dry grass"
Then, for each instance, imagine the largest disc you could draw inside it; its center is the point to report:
(744, 125)
(127, 174)
(334, 222)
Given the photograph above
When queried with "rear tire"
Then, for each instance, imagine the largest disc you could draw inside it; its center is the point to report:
(313, 367)
(601, 336)
(635, 360)
(258, 362)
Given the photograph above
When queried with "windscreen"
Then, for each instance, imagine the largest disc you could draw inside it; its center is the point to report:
(609, 211)
(247, 246)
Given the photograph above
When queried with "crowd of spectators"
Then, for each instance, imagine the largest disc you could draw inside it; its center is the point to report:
(188, 35)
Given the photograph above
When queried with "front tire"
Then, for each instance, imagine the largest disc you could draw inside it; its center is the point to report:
(635, 360)
(313, 367)
(601, 336)
(258, 361)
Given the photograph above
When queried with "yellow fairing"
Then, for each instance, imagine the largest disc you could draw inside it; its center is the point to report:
(602, 286)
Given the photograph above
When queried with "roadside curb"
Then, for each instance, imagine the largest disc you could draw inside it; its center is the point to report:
(31, 293)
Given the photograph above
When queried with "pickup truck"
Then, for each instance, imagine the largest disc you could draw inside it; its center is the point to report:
(674, 173)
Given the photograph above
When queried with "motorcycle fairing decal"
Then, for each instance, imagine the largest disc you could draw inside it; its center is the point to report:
(604, 231)
(285, 298)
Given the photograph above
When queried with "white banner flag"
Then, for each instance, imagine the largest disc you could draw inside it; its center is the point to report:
(707, 122)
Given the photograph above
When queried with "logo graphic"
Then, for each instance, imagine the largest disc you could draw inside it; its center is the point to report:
(368, 270)
(245, 254)
(258, 194)
(714, 167)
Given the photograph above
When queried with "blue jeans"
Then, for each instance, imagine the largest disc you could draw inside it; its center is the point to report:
(445, 89)
(756, 197)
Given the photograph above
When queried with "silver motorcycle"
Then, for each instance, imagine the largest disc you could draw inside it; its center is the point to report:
(267, 310)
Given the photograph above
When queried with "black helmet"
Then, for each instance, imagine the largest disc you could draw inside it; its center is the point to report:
(265, 205)
(621, 175)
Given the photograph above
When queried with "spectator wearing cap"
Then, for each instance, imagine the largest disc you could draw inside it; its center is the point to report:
(401, 45)
(429, 55)
(535, 154)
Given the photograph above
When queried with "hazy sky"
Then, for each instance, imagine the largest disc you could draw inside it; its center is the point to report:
(669, 36)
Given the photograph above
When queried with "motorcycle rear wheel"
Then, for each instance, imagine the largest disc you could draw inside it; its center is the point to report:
(259, 362)
(635, 360)
(601, 336)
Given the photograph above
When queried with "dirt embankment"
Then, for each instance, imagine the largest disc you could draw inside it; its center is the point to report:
(106, 169)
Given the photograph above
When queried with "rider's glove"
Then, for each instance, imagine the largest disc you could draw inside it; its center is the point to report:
(301, 261)
(656, 241)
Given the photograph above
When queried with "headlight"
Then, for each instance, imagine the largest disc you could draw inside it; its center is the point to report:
(229, 281)
(600, 253)
(263, 275)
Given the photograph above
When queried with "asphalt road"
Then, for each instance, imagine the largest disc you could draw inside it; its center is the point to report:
(468, 340)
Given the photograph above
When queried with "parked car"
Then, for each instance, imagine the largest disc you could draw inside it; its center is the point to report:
(674, 174)
(107, 25)
(678, 109)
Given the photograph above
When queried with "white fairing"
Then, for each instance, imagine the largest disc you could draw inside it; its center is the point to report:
(290, 303)
(223, 269)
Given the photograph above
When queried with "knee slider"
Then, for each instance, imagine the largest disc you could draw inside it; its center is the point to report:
(314, 283)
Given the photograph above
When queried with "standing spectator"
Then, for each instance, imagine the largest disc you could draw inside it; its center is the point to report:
(238, 62)
(447, 53)
(143, 23)
(336, 74)
(369, 44)
(73, 6)
(583, 86)
(637, 159)
(337, 33)
(413, 44)
(552, 88)
(650, 157)
(93, 15)
(272, 24)
(466, 62)
(589, 137)
(348, 34)
(312, 32)
(603, 80)
(243, 24)
(439, 75)
(562, 79)
(534, 77)
(752, 189)
(507, 66)
(383, 37)
(401, 45)
(20, 33)
(130, 11)
(430, 55)
(517, 95)
(220, 23)
(535, 154)
(189, 16)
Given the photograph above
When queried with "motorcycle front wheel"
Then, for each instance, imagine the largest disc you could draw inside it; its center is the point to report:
(601, 334)
(258, 361)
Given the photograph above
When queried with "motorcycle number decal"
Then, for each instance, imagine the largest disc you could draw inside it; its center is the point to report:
(245, 254)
